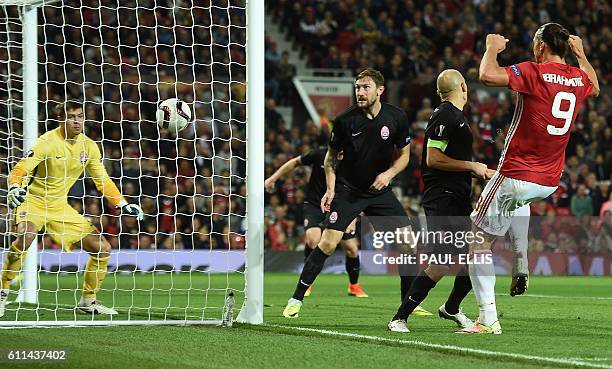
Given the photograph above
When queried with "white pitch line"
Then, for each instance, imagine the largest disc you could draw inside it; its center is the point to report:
(509, 355)
(557, 297)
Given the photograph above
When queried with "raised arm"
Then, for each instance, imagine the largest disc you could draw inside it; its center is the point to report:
(575, 43)
(489, 72)
(288, 167)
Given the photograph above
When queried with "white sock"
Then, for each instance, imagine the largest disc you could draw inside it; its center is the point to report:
(519, 228)
(482, 276)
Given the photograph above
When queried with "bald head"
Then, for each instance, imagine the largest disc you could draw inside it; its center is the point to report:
(449, 81)
(452, 88)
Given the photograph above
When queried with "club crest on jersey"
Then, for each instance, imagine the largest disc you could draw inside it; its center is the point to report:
(83, 157)
(333, 217)
(384, 132)
(305, 222)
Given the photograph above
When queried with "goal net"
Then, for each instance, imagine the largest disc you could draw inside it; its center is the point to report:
(121, 58)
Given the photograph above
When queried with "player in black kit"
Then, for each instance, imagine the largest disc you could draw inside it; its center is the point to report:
(367, 134)
(447, 169)
(313, 217)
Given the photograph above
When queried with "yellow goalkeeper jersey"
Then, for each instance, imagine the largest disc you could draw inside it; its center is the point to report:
(53, 165)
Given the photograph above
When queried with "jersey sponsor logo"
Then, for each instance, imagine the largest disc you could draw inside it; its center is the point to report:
(462, 124)
(356, 134)
(333, 217)
(515, 70)
(384, 132)
(59, 157)
(440, 129)
(83, 157)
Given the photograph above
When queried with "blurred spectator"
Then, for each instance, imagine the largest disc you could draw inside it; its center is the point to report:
(581, 203)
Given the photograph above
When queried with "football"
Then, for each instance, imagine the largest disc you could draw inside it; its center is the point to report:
(173, 115)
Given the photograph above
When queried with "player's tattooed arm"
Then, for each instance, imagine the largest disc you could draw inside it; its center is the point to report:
(331, 159)
(330, 165)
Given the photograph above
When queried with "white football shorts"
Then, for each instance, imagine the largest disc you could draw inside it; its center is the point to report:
(500, 199)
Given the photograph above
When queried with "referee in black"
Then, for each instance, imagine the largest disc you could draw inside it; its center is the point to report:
(367, 133)
(313, 217)
(447, 169)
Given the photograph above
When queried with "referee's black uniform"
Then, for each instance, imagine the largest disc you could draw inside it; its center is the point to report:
(446, 197)
(368, 146)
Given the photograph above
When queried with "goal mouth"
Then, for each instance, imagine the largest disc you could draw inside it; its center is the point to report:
(181, 258)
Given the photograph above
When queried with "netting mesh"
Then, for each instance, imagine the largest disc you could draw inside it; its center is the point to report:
(121, 58)
(11, 104)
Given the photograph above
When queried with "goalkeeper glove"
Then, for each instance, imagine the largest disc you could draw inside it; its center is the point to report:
(131, 209)
(16, 196)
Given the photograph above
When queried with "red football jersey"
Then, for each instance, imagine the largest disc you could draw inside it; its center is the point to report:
(549, 98)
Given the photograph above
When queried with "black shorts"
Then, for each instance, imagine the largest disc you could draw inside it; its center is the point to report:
(384, 211)
(447, 213)
(313, 217)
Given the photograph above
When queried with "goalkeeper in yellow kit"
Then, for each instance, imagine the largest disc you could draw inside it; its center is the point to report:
(38, 195)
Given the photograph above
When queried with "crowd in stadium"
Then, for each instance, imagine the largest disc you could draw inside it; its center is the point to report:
(411, 42)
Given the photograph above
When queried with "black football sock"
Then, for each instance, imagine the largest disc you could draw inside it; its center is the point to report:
(312, 268)
(352, 268)
(405, 283)
(461, 287)
(416, 294)
(407, 274)
(307, 252)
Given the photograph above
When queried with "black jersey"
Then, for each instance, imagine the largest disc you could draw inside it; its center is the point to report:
(316, 185)
(368, 145)
(448, 124)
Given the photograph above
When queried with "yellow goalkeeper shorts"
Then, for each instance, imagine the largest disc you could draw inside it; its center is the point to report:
(60, 220)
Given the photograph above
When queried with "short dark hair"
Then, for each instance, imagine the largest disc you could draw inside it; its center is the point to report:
(376, 76)
(62, 108)
(556, 37)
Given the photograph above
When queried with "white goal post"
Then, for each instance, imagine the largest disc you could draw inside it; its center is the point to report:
(156, 275)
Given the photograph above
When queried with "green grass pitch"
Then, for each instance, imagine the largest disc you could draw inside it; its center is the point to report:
(562, 322)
